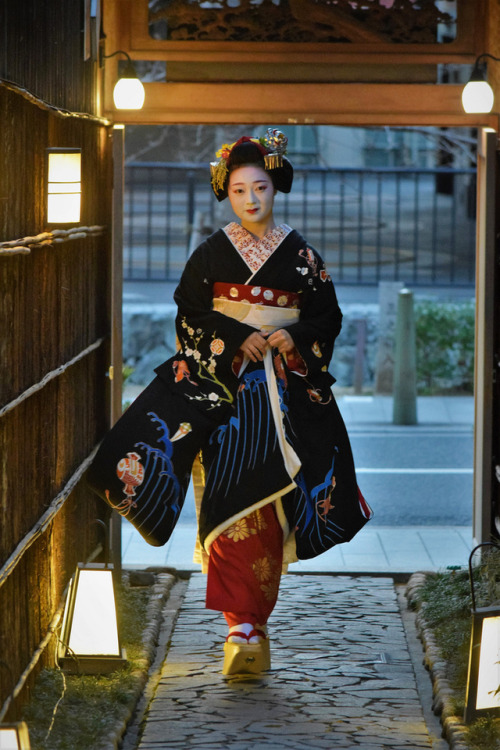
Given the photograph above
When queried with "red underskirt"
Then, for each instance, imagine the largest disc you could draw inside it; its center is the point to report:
(244, 568)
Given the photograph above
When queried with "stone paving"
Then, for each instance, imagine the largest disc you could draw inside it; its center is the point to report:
(341, 677)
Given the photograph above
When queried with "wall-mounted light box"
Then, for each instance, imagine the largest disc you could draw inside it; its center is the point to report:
(64, 188)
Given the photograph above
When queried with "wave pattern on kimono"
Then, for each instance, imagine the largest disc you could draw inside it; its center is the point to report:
(267, 431)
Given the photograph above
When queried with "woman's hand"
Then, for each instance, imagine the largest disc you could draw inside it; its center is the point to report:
(254, 346)
(281, 340)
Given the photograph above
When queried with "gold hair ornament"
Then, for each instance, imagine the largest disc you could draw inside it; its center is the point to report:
(274, 141)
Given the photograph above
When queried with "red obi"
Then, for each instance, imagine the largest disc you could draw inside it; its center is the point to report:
(261, 295)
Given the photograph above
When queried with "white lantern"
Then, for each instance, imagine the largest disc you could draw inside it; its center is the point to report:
(128, 92)
(14, 736)
(477, 96)
(90, 641)
(483, 679)
(64, 185)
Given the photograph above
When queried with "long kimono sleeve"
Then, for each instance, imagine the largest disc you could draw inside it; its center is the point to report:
(320, 319)
(208, 340)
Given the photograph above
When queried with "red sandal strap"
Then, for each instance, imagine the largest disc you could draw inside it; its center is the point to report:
(239, 634)
(252, 634)
(259, 633)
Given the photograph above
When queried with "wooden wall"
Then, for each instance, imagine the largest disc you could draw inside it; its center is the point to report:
(54, 347)
(49, 48)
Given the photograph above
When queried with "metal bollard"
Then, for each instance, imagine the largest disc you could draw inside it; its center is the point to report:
(405, 362)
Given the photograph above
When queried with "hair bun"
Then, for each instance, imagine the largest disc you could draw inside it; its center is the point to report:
(267, 153)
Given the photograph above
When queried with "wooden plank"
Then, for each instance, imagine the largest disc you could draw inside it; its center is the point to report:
(209, 52)
(331, 104)
(252, 72)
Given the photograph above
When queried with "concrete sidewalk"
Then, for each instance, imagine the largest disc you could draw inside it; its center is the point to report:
(377, 549)
(346, 674)
(433, 412)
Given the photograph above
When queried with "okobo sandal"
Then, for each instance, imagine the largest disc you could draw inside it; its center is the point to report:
(250, 654)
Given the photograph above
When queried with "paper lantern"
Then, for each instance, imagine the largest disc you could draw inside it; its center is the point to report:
(90, 640)
(14, 736)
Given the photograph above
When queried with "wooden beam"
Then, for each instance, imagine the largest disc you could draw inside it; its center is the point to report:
(322, 104)
(142, 46)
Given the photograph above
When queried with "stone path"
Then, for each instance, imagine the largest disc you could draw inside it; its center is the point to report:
(341, 677)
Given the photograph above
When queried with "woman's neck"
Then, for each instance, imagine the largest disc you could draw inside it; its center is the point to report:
(257, 229)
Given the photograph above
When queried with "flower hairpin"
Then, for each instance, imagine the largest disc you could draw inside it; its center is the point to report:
(273, 146)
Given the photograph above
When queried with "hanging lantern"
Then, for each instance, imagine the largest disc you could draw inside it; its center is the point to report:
(90, 641)
(483, 679)
(128, 92)
(14, 736)
(64, 190)
(477, 95)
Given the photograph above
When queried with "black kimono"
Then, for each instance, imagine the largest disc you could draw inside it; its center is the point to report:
(267, 431)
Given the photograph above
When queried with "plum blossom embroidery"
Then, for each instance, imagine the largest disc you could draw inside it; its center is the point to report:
(206, 367)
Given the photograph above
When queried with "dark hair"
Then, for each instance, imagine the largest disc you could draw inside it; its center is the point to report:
(250, 153)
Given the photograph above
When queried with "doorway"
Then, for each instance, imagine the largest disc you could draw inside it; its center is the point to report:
(439, 466)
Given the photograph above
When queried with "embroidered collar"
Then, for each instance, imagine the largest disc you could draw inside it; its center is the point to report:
(255, 251)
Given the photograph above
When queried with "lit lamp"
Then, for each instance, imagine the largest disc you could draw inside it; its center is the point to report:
(477, 96)
(14, 736)
(483, 679)
(128, 92)
(89, 640)
(64, 185)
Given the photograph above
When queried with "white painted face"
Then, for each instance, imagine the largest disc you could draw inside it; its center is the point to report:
(251, 195)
